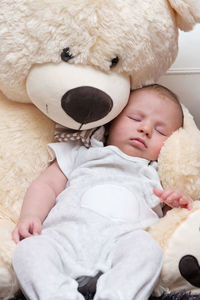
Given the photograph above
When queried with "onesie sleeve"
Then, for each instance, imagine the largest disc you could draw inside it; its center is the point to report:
(65, 153)
(152, 181)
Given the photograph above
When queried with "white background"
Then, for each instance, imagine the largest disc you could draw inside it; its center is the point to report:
(184, 75)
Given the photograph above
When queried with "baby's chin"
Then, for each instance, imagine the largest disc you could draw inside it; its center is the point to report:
(140, 154)
(134, 152)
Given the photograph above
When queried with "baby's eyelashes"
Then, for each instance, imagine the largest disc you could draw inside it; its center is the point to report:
(136, 118)
(161, 132)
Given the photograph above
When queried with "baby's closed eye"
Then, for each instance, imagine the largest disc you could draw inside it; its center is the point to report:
(135, 117)
(161, 130)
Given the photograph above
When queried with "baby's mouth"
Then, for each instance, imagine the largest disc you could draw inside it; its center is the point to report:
(139, 142)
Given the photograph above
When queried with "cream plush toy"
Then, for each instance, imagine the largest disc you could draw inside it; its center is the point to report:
(178, 232)
(75, 61)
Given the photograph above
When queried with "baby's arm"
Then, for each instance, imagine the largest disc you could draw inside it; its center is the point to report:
(174, 198)
(38, 201)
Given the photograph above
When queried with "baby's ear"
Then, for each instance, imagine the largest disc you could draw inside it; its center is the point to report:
(187, 13)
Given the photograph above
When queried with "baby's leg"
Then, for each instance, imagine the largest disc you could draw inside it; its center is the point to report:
(41, 273)
(136, 265)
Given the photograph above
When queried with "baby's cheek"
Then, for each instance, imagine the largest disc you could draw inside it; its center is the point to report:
(156, 151)
(121, 133)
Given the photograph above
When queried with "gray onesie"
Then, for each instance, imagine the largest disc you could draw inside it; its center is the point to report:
(97, 225)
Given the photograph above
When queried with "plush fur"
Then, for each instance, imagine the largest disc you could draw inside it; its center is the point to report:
(142, 37)
(180, 168)
(25, 132)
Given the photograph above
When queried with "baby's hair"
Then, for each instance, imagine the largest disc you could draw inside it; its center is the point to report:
(164, 91)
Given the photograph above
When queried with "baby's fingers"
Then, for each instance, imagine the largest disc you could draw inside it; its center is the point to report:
(37, 228)
(176, 199)
(24, 232)
(173, 199)
(185, 202)
(19, 233)
(15, 235)
(174, 196)
(163, 195)
(158, 192)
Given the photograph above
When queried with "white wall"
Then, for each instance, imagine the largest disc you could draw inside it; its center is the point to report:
(184, 75)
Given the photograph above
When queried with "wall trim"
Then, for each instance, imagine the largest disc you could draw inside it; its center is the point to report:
(183, 71)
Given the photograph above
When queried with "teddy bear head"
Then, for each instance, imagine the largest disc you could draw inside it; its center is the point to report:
(77, 60)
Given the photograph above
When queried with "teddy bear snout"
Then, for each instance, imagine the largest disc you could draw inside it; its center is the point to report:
(190, 270)
(86, 104)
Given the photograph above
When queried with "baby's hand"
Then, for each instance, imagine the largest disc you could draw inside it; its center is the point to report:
(26, 227)
(174, 198)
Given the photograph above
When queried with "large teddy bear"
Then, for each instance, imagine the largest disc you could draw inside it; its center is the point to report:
(75, 61)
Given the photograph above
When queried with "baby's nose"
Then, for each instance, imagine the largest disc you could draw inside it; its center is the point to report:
(145, 129)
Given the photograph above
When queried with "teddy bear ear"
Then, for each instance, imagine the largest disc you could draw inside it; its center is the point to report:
(187, 13)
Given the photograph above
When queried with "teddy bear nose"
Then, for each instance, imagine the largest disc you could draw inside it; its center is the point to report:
(86, 104)
(190, 270)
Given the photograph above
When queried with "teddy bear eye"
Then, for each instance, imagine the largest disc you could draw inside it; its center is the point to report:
(114, 61)
(66, 54)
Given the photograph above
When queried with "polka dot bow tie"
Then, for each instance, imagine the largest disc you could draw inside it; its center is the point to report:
(63, 134)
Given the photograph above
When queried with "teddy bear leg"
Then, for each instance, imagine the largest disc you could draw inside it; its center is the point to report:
(8, 281)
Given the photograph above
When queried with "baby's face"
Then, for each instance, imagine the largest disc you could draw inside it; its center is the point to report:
(143, 126)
